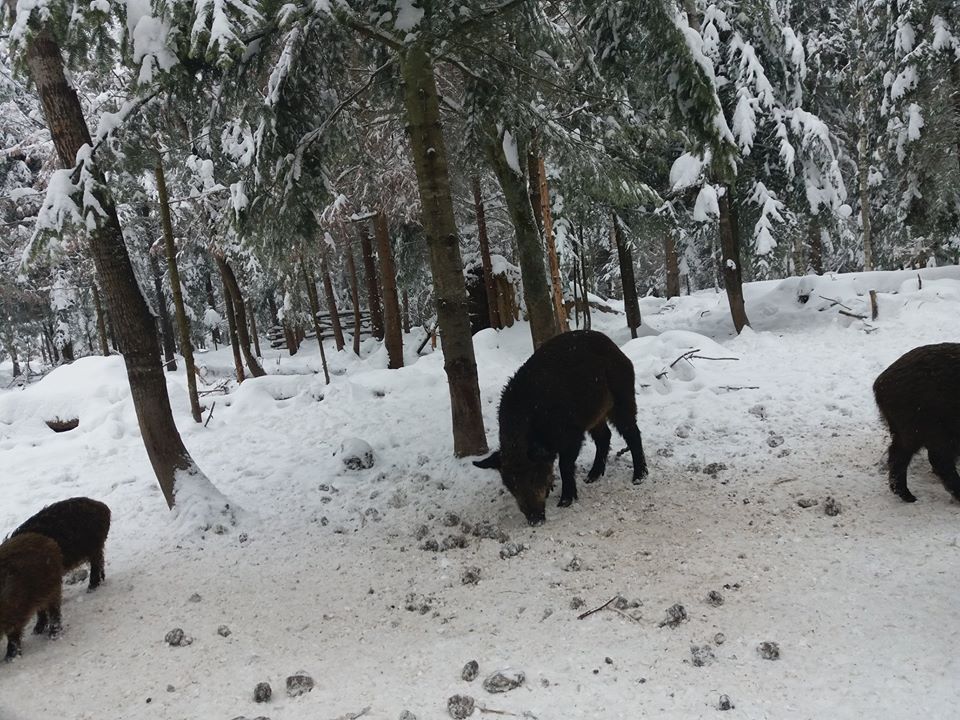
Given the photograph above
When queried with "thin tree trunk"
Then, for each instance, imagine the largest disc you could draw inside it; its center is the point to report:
(12, 352)
(290, 338)
(240, 315)
(672, 264)
(101, 322)
(232, 330)
(393, 335)
(163, 314)
(730, 258)
(373, 286)
(863, 149)
(533, 180)
(430, 161)
(331, 303)
(253, 328)
(631, 303)
(179, 307)
(128, 311)
(51, 345)
(355, 296)
(310, 283)
(212, 304)
(556, 283)
(815, 242)
(587, 317)
(488, 281)
(406, 311)
(576, 293)
(536, 291)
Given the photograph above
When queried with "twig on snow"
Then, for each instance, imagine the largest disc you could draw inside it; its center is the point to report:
(211, 413)
(739, 387)
(354, 716)
(852, 314)
(588, 613)
(692, 355)
(834, 302)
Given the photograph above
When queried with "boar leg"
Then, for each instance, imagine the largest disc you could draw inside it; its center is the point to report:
(631, 433)
(899, 457)
(56, 625)
(944, 462)
(14, 638)
(569, 450)
(96, 571)
(41, 627)
(601, 437)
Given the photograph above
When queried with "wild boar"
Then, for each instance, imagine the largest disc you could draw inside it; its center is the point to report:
(31, 569)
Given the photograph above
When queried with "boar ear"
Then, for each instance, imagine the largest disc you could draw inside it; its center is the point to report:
(491, 462)
(538, 452)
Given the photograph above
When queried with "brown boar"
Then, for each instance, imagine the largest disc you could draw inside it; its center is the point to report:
(79, 526)
(919, 398)
(30, 582)
(574, 383)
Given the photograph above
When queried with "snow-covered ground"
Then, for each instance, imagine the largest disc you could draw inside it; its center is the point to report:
(326, 573)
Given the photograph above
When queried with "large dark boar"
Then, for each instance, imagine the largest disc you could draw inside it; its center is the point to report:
(79, 526)
(572, 384)
(919, 397)
(30, 577)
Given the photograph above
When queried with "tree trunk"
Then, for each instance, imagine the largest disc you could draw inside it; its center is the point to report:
(556, 283)
(232, 330)
(51, 345)
(533, 180)
(430, 161)
(290, 338)
(240, 314)
(183, 322)
(587, 317)
(128, 310)
(163, 314)
(815, 242)
(12, 352)
(730, 258)
(406, 311)
(373, 287)
(672, 263)
(576, 294)
(536, 292)
(212, 304)
(253, 328)
(631, 304)
(355, 296)
(101, 322)
(311, 286)
(863, 140)
(488, 282)
(393, 335)
(331, 303)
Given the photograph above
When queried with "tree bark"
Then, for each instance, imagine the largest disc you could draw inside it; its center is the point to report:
(393, 335)
(556, 282)
(179, 307)
(587, 317)
(355, 296)
(232, 330)
(331, 303)
(290, 338)
(240, 315)
(672, 264)
(101, 322)
(310, 283)
(863, 140)
(730, 258)
(252, 311)
(212, 304)
(533, 180)
(536, 292)
(163, 314)
(815, 242)
(373, 286)
(430, 161)
(406, 311)
(488, 281)
(129, 313)
(631, 304)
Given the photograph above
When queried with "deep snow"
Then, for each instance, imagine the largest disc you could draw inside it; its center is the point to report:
(320, 569)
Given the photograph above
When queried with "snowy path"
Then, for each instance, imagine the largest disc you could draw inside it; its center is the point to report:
(862, 604)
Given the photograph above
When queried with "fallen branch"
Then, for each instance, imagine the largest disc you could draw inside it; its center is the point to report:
(739, 387)
(685, 356)
(874, 310)
(354, 716)
(219, 388)
(834, 302)
(852, 314)
(588, 613)
(427, 339)
(692, 355)
(211, 413)
(491, 711)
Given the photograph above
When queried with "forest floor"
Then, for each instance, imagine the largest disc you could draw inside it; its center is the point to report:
(327, 573)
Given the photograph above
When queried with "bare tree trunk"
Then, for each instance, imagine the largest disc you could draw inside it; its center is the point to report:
(576, 293)
(212, 304)
(488, 281)
(355, 296)
(183, 323)
(430, 161)
(310, 283)
(816, 246)
(533, 179)
(373, 286)
(672, 263)
(730, 258)
(163, 314)
(252, 311)
(556, 282)
(536, 291)
(101, 322)
(406, 311)
(393, 335)
(129, 313)
(331, 303)
(12, 352)
(587, 318)
(290, 338)
(863, 140)
(232, 328)
(631, 303)
(240, 315)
